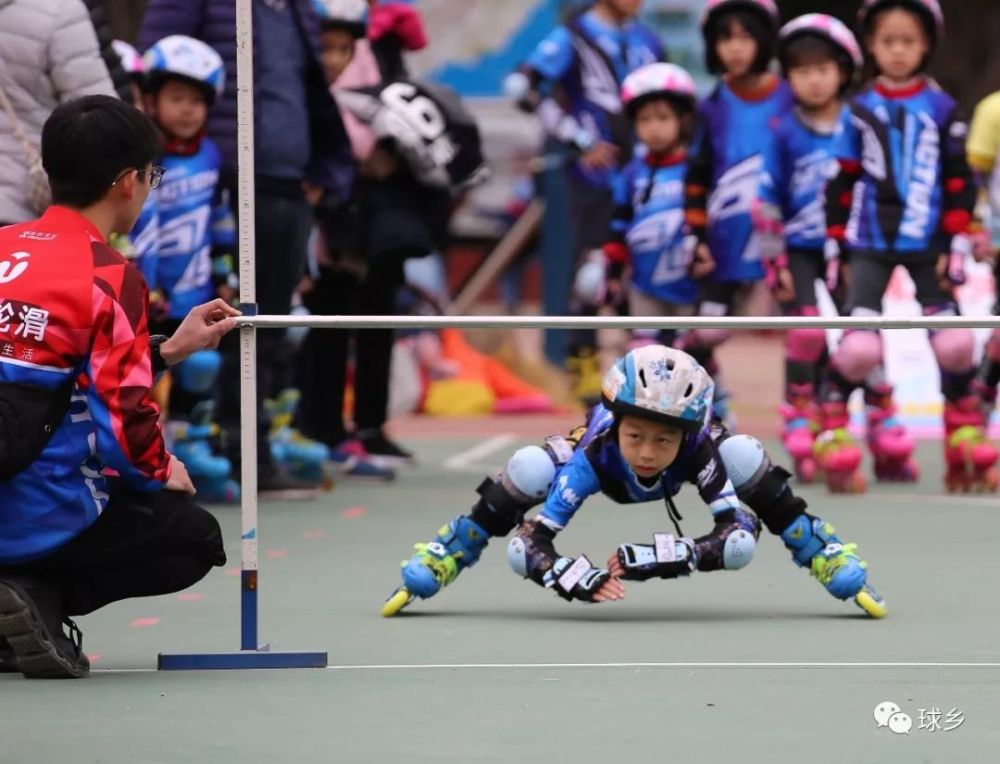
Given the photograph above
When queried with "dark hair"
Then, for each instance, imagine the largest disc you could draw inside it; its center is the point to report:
(683, 107)
(88, 142)
(155, 81)
(760, 28)
(870, 21)
(356, 29)
(811, 49)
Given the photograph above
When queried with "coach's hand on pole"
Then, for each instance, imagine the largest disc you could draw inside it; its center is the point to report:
(202, 329)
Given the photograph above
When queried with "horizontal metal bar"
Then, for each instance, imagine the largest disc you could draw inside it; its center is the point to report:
(623, 322)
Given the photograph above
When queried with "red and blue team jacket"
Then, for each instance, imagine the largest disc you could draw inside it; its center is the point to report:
(71, 306)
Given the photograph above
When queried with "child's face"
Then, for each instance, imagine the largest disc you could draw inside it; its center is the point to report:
(658, 126)
(336, 53)
(737, 50)
(648, 447)
(180, 109)
(898, 43)
(816, 83)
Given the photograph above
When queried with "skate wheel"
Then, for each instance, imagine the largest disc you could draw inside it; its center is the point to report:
(399, 599)
(873, 605)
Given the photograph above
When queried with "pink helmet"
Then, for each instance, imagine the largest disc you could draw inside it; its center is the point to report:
(826, 27)
(928, 10)
(767, 7)
(652, 80)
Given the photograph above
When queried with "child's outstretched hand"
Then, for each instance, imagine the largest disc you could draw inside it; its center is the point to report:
(611, 590)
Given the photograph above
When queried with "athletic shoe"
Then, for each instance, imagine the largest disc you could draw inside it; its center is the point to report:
(377, 445)
(31, 621)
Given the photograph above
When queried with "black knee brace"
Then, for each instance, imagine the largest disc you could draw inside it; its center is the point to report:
(772, 499)
(497, 512)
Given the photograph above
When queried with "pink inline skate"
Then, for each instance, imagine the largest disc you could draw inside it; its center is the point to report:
(836, 451)
(890, 444)
(969, 455)
(801, 417)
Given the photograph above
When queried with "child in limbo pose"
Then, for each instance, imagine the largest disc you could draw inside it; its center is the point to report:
(649, 436)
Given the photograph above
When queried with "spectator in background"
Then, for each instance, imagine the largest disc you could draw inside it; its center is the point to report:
(48, 55)
(338, 283)
(100, 18)
(299, 137)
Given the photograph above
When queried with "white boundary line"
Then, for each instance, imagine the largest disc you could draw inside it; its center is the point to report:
(636, 665)
(464, 459)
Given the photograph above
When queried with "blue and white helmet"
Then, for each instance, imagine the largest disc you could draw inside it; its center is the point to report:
(351, 15)
(188, 59)
(662, 384)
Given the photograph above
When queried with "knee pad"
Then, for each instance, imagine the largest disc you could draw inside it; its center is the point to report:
(745, 461)
(198, 372)
(517, 556)
(524, 482)
(953, 349)
(530, 471)
(859, 352)
(731, 545)
(805, 345)
(708, 338)
(759, 483)
(738, 549)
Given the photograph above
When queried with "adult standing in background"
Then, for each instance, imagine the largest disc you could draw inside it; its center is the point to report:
(100, 17)
(48, 55)
(299, 138)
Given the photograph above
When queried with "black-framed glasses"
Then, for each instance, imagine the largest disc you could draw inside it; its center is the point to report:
(155, 175)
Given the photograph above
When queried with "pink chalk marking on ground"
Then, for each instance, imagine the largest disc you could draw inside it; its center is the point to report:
(352, 512)
(232, 572)
(314, 535)
(190, 596)
(276, 554)
(142, 623)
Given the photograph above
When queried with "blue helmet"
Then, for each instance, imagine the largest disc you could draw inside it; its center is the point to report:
(662, 384)
(350, 15)
(185, 58)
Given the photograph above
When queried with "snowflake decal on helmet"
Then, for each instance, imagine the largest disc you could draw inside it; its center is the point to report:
(660, 370)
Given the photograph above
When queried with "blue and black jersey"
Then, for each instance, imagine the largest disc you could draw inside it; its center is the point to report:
(798, 164)
(904, 185)
(648, 227)
(727, 161)
(597, 466)
(185, 229)
(580, 68)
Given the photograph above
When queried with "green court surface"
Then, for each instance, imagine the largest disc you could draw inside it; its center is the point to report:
(760, 665)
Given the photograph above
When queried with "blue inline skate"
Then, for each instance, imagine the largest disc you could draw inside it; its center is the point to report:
(814, 545)
(300, 456)
(457, 546)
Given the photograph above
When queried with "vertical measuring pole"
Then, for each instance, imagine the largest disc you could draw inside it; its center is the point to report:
(248, 336)
(252, 655)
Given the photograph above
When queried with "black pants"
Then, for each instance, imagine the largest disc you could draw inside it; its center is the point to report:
(322, 361)
(282, 219)
(142, 545)
(870, 274)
